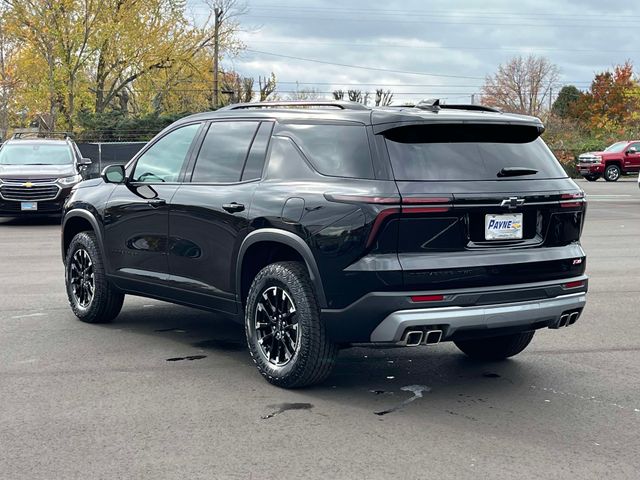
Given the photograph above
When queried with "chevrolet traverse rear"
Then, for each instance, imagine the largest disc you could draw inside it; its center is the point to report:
(395, 226)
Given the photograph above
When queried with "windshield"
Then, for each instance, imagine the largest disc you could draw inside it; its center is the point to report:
(616, 147)
(35, 154)
(470, 152)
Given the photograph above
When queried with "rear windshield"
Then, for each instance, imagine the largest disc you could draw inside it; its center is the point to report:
(35, 154)
(469, 152)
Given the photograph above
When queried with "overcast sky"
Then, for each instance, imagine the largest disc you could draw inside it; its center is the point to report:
(450, 46)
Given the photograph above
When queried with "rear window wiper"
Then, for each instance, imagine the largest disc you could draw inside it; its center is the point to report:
(516, 171)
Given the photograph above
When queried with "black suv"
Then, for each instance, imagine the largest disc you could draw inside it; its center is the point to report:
(37, 174)
(326, 224)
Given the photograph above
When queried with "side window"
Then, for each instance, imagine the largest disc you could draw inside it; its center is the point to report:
(636, 146)
(336, 150)
(255, 160)
(224, 152)
(163, 161)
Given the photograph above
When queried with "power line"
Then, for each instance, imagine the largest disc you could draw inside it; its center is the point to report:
(441, 47)
(291, 57)
(432, 12)
(362, 19)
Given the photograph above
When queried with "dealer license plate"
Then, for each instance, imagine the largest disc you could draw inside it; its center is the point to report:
(507, 226)
(28, 206)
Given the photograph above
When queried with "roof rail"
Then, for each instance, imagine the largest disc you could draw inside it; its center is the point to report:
(335, 104)
(19, 135)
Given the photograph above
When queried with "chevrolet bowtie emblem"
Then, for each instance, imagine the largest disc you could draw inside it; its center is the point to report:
(512, 202)
(28, 184)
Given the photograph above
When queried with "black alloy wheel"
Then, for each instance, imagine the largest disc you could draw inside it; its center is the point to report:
(277, 326)
(91, 296)
(82, 278)
(286, 336)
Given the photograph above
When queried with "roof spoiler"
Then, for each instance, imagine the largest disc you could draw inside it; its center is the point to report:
(434, 105)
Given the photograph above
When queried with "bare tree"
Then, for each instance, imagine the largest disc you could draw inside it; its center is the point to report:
(267, 86)
(522, 85)
(358, 96)
(383, 98)
(309, 94)
(338, 94)
(224, 25)
(240, 89)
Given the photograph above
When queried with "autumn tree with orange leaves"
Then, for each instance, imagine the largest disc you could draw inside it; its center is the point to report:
(612, 104)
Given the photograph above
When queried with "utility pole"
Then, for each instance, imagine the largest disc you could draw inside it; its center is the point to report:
(218, 13)
(550, 98)
(473, 99)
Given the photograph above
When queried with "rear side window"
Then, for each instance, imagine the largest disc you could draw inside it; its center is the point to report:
(224, 152)
(468, 152)
(335, 150)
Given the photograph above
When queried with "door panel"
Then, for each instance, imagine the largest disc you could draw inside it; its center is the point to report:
(137, 213)
(208, 217)
(204, 240)
(632, 160)
(136, 231)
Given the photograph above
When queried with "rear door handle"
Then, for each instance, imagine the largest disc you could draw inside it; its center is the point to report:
(159, 202)
(233, 207)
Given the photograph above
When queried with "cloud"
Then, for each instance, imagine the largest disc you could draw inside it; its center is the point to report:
(470, 40)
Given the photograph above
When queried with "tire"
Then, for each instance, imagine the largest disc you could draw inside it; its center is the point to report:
(591, 178)
(84, 267)
(495, 348)
(612, 173)
(282, 319)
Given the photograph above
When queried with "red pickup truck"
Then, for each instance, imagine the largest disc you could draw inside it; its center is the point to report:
(618, 159)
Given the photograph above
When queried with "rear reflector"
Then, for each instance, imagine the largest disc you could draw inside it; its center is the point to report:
(427, 298)
(579, 283)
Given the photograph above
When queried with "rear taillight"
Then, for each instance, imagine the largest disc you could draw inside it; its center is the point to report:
(572, 200)
(393, 205)
(576, 284)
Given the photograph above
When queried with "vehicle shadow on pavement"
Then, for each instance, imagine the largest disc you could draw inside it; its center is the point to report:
(375, 376)
(29, 221)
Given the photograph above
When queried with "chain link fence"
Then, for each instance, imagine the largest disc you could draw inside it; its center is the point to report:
(108, 153)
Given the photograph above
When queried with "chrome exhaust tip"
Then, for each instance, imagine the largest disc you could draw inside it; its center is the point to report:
(564, 318)
(432, 337)
(572, 318)
(413, 338)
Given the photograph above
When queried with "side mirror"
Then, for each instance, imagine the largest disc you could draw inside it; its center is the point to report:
(113, 174)
(84, 162)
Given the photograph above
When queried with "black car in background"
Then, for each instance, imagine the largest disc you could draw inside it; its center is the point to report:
(326, 224)
(37, 174)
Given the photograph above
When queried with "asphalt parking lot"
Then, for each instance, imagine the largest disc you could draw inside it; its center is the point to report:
(85, 401)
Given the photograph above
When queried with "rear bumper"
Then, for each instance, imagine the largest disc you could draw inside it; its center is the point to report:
(383, 317)
(480, 321)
